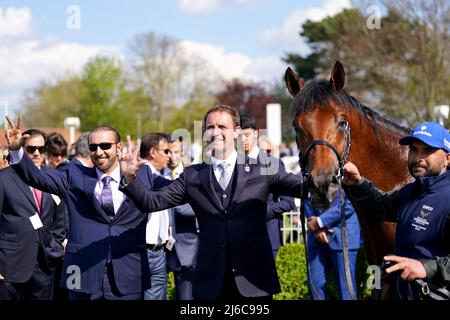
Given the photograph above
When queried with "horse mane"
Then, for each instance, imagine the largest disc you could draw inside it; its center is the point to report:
(318, 94)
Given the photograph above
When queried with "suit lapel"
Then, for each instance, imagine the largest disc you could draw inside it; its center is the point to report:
(46, 197)
(25, 189)
(89, 182)
(243, 171)
(206, 176)
(123, 208)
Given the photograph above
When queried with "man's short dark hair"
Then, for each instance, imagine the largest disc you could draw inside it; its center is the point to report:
(56, 145)
(223, 108)
(151, 140)
(248, 122)
(105, 128)
(35, 132)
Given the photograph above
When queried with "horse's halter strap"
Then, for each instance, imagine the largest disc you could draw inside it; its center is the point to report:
(341, 159)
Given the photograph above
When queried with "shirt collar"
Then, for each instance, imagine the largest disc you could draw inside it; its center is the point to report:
(179, 169)
(153, 169)
(254, 153)
(231, 160)
(115, 175)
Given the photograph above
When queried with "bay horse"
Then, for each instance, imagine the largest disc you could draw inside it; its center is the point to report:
(323, 111)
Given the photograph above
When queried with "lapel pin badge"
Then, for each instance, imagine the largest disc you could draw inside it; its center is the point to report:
(247, 168)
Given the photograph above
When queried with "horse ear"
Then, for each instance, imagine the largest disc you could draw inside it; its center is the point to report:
(337, 79)
(293, 82)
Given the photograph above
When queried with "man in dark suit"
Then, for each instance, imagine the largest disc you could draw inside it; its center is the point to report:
(182, 258)
(106, 253)
(276, 205)
(228, 196)
(32, 229)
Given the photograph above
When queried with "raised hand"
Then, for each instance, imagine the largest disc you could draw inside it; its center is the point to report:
(13, 135)
(351, 174)
(130, 162)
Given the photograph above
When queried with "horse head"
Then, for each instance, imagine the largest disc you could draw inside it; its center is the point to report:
(322, 132)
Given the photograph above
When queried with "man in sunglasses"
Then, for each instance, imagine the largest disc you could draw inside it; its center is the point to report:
(32, 229)
(106, 253)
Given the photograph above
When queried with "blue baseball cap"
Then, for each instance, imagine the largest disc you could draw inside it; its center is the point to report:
(430, 133)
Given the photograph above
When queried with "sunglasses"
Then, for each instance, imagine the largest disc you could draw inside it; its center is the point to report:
(32, 149)
(166, 151)
(104, 146)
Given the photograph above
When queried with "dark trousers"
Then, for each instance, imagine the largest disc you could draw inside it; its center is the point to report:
(108, 291)
(230, 291)
(38, 287)
(183, 283)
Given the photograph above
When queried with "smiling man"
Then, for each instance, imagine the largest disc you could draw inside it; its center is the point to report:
(106, 253)
(229, 197)
(421, 210)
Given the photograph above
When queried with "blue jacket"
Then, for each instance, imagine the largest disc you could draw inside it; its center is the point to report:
(93, 237)
(331, 218)
(276, 206)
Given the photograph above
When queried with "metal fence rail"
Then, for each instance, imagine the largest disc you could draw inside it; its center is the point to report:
(292, 228)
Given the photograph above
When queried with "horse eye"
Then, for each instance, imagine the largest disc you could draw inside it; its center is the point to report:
(342, 123)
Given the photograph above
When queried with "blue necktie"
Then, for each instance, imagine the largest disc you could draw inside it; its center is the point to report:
(106, 198)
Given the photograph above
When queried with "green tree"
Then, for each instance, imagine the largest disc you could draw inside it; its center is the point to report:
(403, 68)
(105, 98)
(52, 101)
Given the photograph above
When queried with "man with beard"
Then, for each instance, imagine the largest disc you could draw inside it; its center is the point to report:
(106, 255)
(421, 210)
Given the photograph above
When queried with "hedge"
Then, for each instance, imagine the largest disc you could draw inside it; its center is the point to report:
(292, 274)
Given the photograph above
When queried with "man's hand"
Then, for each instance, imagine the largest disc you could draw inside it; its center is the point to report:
(313, 224)
(412, 269)
(321, 235)
(130, 162)
(351, 174)
(13, 135)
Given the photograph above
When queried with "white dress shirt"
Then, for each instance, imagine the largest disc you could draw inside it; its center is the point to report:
(157, 230)
(254, 153)
(230, 160)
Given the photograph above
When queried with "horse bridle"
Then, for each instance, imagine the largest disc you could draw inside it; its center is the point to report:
(302, 160)
(340, 176)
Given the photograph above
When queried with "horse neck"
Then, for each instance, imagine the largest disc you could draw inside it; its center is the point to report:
(380, 159)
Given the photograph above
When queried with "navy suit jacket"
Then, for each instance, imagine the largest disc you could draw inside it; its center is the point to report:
(331, 218)
(184, 231)
(93, 237)
(238, 230)
(19, 242)
(276, 205)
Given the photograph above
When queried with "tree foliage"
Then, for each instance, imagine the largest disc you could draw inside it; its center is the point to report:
(159, 65)
(246, 98)
(52, 101)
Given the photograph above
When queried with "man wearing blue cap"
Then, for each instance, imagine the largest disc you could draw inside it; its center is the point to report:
(421, 210)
